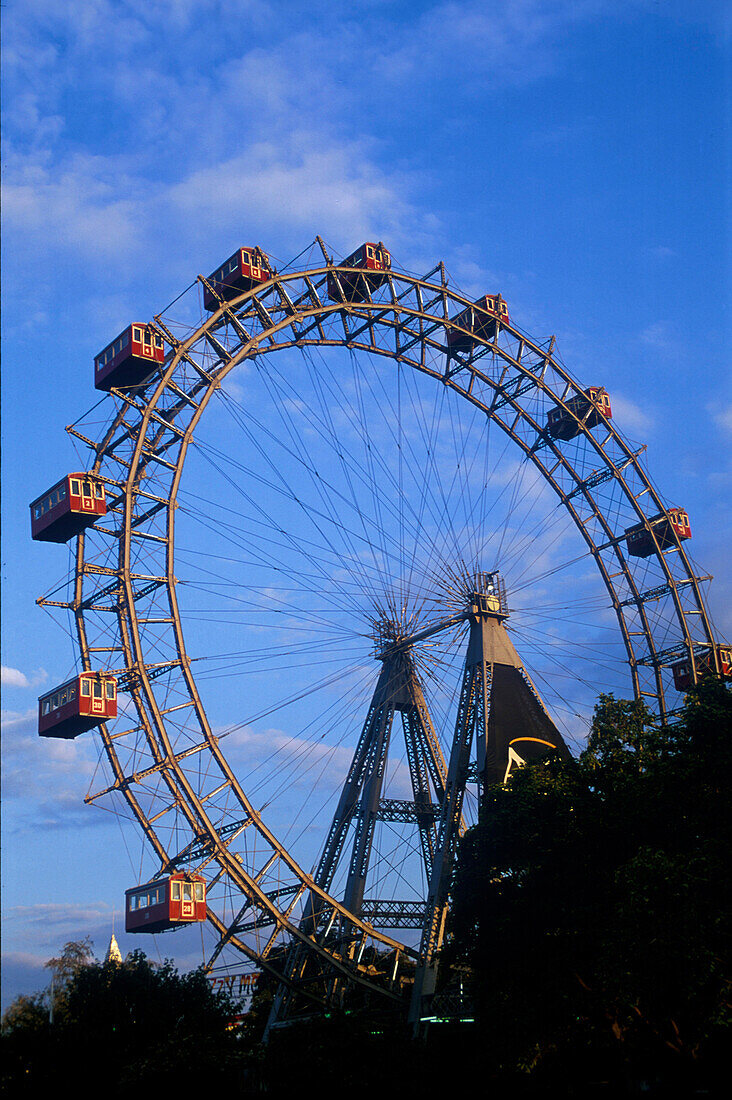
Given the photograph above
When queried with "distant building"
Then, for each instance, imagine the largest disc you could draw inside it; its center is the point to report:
(114, 955)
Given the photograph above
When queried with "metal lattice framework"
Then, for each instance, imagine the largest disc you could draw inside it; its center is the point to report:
(167, 764)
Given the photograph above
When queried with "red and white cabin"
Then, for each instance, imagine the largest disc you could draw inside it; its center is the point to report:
(683, 673)
(78, 705)
(374, 263)
(480, 320)
(75, 502)
(588, 407)
(242, 271)
(668, 531)
(166, 903)
(131, 359)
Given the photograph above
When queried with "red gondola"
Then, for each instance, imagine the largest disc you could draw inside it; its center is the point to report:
(589, 407)
(131, 359)
(669, 531)
(78, 705)
(166, 903)
(374, 263)
(242, 271)
(75, 502)
(683, 676)
(481, 320)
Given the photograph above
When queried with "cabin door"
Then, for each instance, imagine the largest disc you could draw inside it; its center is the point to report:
(87, 497)
(186, 904)
(97, 699)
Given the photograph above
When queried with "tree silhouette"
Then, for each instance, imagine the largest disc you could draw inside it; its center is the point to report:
(121, 1025)
(592, 904)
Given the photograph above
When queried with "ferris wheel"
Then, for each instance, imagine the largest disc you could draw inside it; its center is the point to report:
(390, 492)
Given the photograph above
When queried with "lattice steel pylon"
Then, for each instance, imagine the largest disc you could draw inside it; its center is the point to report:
(502, 715)
(359, 488)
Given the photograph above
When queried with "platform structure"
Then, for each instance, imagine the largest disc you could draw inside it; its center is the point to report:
(501, 724)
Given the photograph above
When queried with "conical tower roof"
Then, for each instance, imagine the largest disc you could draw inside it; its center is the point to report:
(517, 726)
(114, 955)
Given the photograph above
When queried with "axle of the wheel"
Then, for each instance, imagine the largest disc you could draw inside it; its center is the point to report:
(480, 605)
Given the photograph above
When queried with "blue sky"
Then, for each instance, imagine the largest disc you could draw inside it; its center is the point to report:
(569, 153)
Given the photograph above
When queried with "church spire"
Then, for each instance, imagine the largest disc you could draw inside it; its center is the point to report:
(114, 955)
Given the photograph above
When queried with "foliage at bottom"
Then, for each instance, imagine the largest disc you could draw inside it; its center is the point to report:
(592, 906)
(117, 1027)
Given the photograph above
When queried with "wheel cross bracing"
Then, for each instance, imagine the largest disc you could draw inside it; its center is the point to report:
(168, 765)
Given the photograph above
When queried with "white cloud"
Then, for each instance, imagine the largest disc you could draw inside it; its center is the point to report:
(58, 918)
(13, 677)
(35, 933)
(659, 336)
(628, 416)
(220, 134)
(50, 774)
(17, 724)
(305, 759)
(722, 416)
(75, 206)
(298, 753)
(336, 187)
(480, 44)
(102, 210)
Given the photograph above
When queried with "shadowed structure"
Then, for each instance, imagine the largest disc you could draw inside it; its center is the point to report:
(499, 713)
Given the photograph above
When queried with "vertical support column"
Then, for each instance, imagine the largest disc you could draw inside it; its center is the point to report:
(362, 787)
(368, 807)
(426, 763)
(359, 799)
(471, 721)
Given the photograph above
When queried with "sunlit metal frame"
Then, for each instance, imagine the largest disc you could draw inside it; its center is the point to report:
(140, 457)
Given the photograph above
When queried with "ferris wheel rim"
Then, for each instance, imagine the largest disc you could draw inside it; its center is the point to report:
(381, 310)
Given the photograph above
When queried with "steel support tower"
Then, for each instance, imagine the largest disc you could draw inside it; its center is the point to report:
(501, 722)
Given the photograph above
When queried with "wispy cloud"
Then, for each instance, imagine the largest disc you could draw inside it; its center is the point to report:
(218, 135)
(304, 758)
(298, 754)
(32, 934)
(659, 336)
(492, 45)
(80, 206)
(661, 252)
(17, 725)
(13, 677)
(628, 415)
(50, 774)
(722, 416)
(310, 185)
(57, 919)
